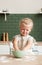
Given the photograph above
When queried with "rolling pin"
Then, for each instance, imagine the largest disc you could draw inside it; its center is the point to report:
(6, 37)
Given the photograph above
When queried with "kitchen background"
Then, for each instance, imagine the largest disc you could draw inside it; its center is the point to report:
(16, 10)
(11, 25)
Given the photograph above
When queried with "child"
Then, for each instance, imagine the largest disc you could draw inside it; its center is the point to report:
(24, 41)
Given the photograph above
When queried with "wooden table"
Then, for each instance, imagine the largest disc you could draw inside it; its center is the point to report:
(36, 60)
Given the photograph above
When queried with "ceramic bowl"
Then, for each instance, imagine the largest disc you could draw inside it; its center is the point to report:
(18, 54)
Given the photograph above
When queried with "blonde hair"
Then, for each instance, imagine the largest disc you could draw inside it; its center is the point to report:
(26, 21)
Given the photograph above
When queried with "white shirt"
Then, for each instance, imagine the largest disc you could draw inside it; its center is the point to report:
(22, 40)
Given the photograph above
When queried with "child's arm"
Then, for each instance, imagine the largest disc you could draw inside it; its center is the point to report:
(28, 45)
(15, 46)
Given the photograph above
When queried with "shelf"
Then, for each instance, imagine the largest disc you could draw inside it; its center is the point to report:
(5, 12)
(40, 12)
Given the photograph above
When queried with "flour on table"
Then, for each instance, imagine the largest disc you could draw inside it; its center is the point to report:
(4, 59)
(27, 58)
(30, 58)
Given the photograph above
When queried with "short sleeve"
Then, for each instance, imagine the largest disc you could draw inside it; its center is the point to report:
(16, 37)
(34, 40)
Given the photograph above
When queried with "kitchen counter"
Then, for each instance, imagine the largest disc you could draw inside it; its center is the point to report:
(30, 60)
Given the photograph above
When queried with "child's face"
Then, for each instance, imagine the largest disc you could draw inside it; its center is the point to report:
(25, 29)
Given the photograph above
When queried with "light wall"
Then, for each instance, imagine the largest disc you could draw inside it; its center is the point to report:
(21, 6)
